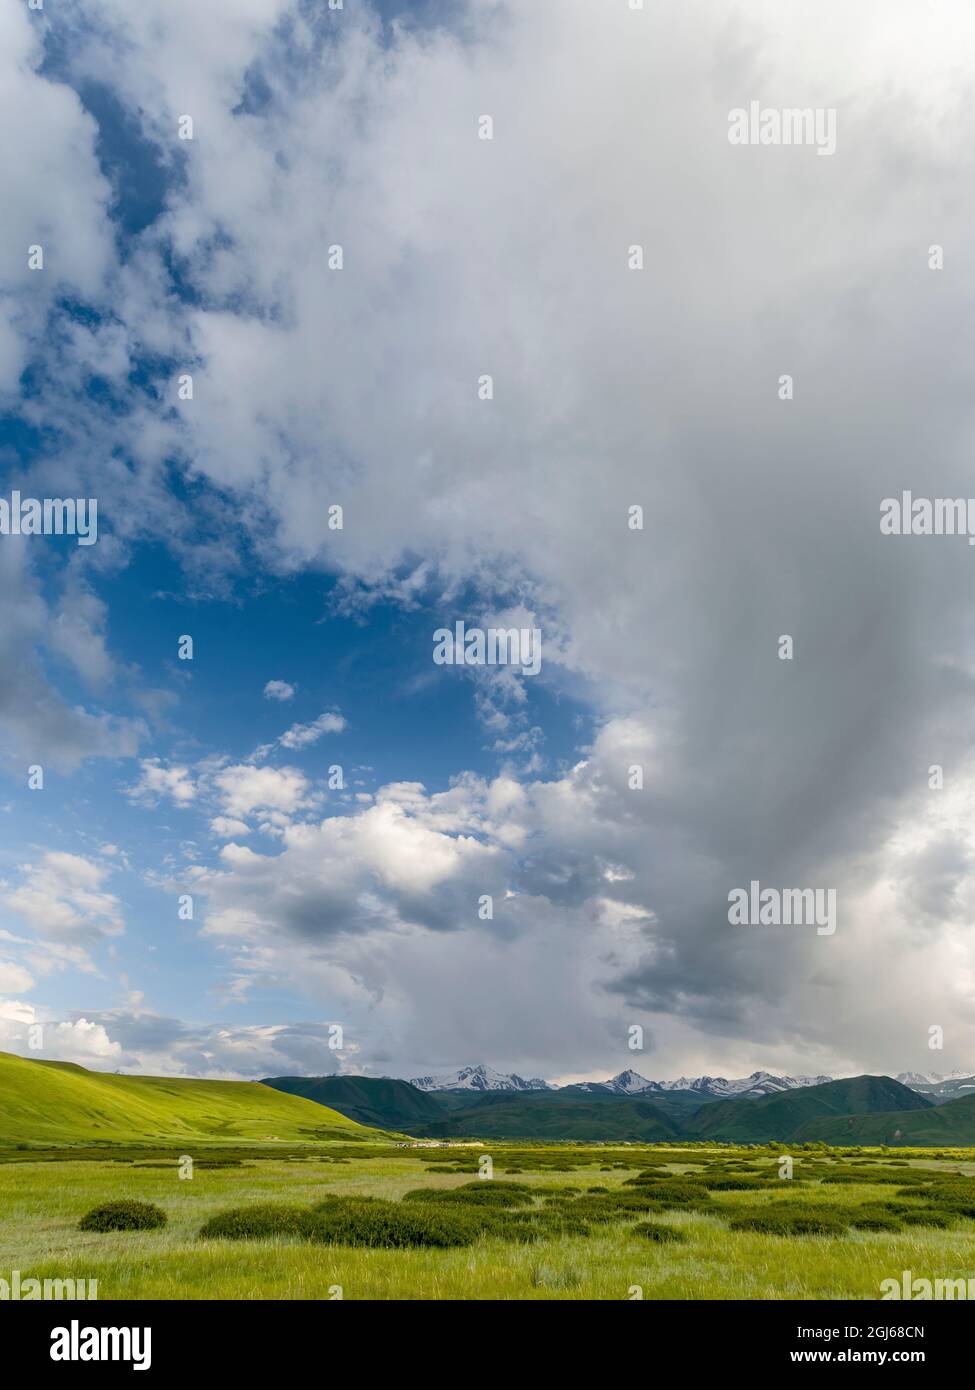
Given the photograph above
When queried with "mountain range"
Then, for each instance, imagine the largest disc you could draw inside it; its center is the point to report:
(58, 1102)
(629, 1083)
(949, 1086)
(760, 1083)
(758, 1109)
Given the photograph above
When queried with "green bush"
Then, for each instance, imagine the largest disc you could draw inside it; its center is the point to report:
(260, 1221)
(734, 1184)
(668, 1193)
(656, 1231)
(875, 1221)
(392, 1225)
(938, 1220)
(781, 1221)
(480, 1193)
(123, 1216)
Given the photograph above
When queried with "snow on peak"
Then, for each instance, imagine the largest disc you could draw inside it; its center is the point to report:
(479, 1078)
(624, 1083)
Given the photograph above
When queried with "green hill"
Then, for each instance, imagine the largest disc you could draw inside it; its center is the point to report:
(793, 1114)
(948, 1125)
(551, 1115)
(60, 1103)
(370, 1100)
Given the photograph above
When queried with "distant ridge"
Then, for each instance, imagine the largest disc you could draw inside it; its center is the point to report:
(760, 1083)
(857, 1110)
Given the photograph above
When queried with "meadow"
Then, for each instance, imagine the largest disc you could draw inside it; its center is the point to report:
(377, 1221)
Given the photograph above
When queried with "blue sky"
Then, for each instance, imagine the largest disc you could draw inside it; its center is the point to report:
(664, 755)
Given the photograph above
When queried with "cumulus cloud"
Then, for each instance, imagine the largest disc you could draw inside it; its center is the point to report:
(55, 195)
(29, 1031)
(279, 690)
(62, 897)
(14, 979)
(244, 788)
(157, 781)
(141, 1041)
(37, 724)
(303, 735)
(228, 828)
(613, 388)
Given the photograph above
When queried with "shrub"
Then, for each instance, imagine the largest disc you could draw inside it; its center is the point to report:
(260, 1221)
(656, 1231)
(939, 1220)
(480, 1193)
(875, 1221)
(733, 1184)
(392, 1225)
(781, 1221)
(123, 1216)
(546, 1277)
(671, 1192)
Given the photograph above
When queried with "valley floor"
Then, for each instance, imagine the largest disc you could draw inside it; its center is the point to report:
(41, 1204)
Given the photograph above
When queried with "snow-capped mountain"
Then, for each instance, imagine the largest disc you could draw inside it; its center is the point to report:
(760, 1083)
(939, 1087)
(932, 1078)
(626, 1083)
(479, 1079)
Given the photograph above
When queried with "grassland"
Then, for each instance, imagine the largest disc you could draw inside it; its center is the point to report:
(60, 1103)
(43, 1198)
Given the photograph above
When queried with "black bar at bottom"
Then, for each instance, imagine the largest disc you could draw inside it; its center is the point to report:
(268, 1338)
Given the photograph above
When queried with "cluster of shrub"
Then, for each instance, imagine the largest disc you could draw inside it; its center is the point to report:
(507, 1210)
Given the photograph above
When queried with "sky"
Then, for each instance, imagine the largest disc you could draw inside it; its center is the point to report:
(237, 859)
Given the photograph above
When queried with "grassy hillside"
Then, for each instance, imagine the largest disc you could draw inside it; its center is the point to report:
(546, 1115)
(677, 1104)
(381, 1102)
(791, 1114)
(59, 1103)
(947, 1125)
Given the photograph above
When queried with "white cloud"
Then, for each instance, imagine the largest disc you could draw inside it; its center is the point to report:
(615, 388)
(14, 979)
(136, 1039)
(244, 788)
(228, 828)
(303, 735)
(62, 897)
(54, 194)
(157, 781)
(279, 690)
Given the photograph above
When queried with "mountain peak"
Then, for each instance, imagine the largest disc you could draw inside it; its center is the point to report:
(479, 1078)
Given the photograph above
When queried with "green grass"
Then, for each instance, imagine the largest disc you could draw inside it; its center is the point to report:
(546, 1235)
(59, 1103)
